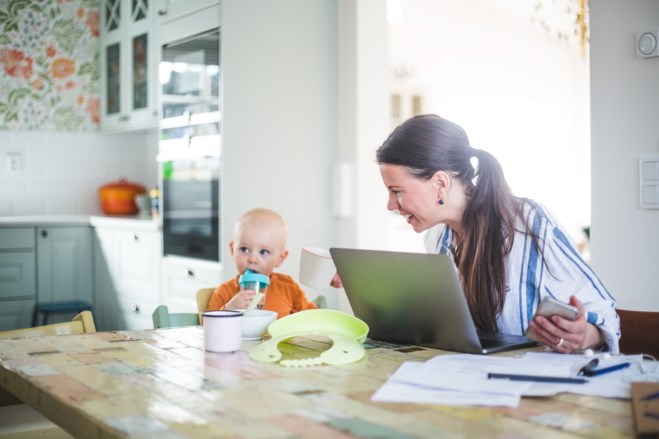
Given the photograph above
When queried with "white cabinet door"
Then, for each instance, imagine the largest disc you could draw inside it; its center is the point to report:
(128, 276)
(182, 278)
(64, 264)
(128, 65)
(179, 19)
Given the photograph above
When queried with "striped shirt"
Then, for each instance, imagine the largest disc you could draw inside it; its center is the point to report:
(555, 270)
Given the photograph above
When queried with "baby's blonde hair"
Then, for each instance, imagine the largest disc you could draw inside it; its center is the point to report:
(262, 217)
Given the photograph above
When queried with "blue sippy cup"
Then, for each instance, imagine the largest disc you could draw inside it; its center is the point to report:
(251, 280)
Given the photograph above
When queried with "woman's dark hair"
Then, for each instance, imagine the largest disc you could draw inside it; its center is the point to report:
(426, 144)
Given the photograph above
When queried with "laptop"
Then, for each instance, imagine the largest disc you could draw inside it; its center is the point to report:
(417, 299)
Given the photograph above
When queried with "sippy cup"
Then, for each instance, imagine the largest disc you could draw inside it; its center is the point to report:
(254, 281)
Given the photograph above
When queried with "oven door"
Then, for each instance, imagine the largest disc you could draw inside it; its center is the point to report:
(190, 207)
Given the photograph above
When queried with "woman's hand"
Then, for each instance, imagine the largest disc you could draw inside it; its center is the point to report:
(336, 281)
(242, 300)
(567, 336)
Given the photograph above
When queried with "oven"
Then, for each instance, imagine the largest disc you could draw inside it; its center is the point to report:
(190, 207)
(189, 146)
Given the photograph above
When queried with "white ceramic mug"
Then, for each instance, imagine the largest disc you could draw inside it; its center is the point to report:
(316, 267)
(222, 330)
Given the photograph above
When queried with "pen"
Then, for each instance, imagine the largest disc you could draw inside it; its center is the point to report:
(537, 378)
(592, 364)
(595, 372)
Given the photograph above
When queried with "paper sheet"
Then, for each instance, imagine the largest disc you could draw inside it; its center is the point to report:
(397, 391)
(461, 379)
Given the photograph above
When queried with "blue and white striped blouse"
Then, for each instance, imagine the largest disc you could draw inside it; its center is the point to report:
(558, 271)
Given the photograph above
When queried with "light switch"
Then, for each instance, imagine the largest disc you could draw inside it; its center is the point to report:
(14, 162)
(649, 182)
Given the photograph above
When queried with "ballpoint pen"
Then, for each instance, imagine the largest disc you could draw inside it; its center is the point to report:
(537, 378)
(595, 372)
(592, 364)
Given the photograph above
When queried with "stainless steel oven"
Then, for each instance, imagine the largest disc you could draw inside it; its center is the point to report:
(190, 145)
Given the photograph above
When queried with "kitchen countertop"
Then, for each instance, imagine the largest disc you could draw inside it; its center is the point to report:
(132, 222)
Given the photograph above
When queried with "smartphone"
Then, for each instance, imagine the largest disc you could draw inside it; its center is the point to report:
(549, 307)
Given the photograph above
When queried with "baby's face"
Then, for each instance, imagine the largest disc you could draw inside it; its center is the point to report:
(258, 248)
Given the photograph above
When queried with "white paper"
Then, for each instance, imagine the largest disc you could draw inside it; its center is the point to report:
(396, 391)
(462, 379)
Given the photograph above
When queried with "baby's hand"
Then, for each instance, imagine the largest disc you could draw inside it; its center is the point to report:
(240, 300)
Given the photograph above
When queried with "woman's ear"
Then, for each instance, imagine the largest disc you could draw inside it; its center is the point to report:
(442, 182)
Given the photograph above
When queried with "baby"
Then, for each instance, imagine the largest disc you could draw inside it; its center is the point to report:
(260, 245)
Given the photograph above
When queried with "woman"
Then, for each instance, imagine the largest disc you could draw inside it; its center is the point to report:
(510, 252)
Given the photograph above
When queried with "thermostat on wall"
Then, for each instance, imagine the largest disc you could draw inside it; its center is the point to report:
(646, 44)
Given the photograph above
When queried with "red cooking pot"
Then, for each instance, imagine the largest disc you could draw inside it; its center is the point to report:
(118, 198)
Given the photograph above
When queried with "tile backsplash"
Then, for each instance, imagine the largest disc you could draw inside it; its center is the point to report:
(60, 172)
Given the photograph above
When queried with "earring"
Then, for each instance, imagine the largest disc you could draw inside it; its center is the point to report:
(441, 202)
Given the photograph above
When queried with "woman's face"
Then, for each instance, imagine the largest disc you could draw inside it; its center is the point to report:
(413, 198)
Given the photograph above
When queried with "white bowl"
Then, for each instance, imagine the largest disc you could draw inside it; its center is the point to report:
(255, 326)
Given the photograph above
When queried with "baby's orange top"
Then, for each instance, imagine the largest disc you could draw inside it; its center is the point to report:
(283, 296)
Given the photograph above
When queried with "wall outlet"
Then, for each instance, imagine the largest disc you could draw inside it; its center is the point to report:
(14, 162)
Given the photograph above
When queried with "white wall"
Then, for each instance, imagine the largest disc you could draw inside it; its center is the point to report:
(518, 94)
(625, 125)
(280, 118)
(62, 171)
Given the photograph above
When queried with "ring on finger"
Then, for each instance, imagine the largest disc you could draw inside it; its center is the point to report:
(560, 343)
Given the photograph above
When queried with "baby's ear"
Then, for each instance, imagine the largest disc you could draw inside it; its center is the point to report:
(282, 257)
(231, 247)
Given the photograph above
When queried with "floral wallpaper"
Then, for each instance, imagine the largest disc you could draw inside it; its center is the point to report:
(49, 65)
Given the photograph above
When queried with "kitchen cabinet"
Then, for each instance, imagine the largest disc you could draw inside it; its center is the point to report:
(18, 274)
(127, 268)
(128, 65)
(183, 277)
(179, 19)
(64, 264)
(45, 263)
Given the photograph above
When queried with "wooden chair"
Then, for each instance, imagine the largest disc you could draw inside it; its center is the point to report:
(640, 332)
(19, 420)
(81, 324)
(162, 318)
(203, 297)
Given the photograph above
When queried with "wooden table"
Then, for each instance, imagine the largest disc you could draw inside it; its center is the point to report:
(162, 384)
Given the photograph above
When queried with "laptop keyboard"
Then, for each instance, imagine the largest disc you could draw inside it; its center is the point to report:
(491, 339)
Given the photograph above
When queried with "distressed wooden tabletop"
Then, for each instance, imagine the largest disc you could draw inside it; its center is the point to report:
(161, 383)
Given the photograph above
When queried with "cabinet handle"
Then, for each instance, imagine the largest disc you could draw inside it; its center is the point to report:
(134, 307)
(136, 238)
(188, 272)
(124, 118)
(44, 233)
(162, 12)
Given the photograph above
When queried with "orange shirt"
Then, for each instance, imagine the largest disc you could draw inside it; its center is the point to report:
(283, 296)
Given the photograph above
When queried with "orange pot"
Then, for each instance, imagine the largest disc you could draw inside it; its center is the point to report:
(119, 198)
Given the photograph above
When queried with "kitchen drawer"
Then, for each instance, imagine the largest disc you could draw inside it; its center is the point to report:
(138, 264)
(16, 314)
(135, 313)
(18, 275)
(16, 238)
(182, 278)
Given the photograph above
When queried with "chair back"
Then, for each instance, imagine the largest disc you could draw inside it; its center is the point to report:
(640, 332)
(81, 324)
(162, 318)
(203, 297)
